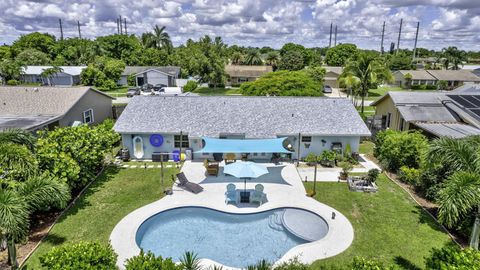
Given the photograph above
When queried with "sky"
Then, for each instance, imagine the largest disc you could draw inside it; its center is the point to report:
(256, 22)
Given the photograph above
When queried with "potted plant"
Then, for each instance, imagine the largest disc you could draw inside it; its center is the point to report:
(311, 159)
(346, 168)
(327, 158)
(372, 176)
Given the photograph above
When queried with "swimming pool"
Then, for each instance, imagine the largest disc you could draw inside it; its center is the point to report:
(235, 240)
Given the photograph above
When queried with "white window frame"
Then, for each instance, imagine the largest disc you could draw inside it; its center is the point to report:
(91, 116)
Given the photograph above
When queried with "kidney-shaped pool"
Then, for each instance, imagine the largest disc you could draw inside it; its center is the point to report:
(234, 240)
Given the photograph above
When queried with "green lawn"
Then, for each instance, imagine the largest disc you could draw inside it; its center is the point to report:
(388, 225)
(366, 147)
(117, 92)
(374, 94)
(206, 91)
(116, 193)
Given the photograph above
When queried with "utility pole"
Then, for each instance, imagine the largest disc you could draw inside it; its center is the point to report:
(125, 20)
(383, 34)
(399, 34)
(118, 27)
(61, 29)
(330, 43)
(79, 32)
(415, 44)
(335, 43)
(121, 28)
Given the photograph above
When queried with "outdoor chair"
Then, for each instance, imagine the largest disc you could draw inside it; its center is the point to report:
(187, 185)
(230, 158)
(211, 167)
(257, 195)
(231, 194)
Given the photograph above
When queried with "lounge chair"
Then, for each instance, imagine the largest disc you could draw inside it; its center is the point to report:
(231, 194)
(257, 195)
(211, 167)
(185, 184)
(230, 158)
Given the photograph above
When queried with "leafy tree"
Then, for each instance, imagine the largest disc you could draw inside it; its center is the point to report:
(49, 73)
(190, 86)
(104, 73)
(10, 70)
(292, 60)
(253, 58)
(369, 72)
(283, 83)
(76, 51)
(5, 52)
(338, 55)
(452, 257)
(408, 80)
(400, 61)
(460, 193)
(83, 255)
(41, 42)
(33, 57)
(400, 148)
(148, 261)
(117, 46)
(317, 74)
(453, 58)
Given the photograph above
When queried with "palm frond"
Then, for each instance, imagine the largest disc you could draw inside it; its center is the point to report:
(18, 136)
(461, 155)
(44, 191)
(14, 214)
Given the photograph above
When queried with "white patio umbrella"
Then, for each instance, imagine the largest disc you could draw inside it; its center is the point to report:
(245, 170)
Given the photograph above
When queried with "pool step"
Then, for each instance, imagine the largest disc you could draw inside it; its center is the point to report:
(275, 221)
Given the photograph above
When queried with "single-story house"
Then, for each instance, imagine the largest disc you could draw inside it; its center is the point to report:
(331, 76)
(153, 75)
(34, 108)
(69, 76)
(436, 113)
(311, 125)
(237, 74)
(419, 77)
(455, 78)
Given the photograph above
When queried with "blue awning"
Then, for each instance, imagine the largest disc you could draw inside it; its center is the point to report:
(213, 145)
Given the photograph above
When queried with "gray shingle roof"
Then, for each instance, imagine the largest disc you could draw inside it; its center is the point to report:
(173, 70)
(256, 117)
(418, 74)
(455, 75)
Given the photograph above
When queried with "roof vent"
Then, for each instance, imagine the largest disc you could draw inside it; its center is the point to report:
(292, 114)
(35, 89)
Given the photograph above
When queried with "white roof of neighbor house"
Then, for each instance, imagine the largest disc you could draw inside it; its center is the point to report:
(418, 74)
(71, 70)
(256, 117)
(337, 70)
(471, 67)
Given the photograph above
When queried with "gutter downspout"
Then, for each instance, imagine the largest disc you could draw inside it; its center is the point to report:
(298, 152)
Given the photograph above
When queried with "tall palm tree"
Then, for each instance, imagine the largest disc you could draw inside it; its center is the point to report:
(253, 58)
(272, 59)
(460, 194)
(146, 39)
(236, 58)
(453, 57)
(351, 83)
(369, 72)
(161, 39)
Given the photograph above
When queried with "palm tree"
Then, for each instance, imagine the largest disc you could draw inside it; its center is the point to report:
(453, 57)
(49, 73)
(161, 39)
(272, 59)
(236, 58)
(253, 58)
(146, 39)
(368, 70)
(460, 194)
(352, 84)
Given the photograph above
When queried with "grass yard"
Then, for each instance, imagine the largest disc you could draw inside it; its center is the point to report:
(206, 91)
(116, 193)
(117, 92)
(388, 225)
(367, 111)
(374, 94)
(366, 147)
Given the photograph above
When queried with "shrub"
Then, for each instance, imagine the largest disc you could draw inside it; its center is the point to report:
(442, 85)
(360, 263)
(328, 155)
(84, 255)
(346, 167)
(190, 86)
(13, 82)
(453, 258)
(132, 80)
(396, 149)
(372, 175)
(311, 158)
(409, 175)
(292, 264)
(148, 261)
(190, 261)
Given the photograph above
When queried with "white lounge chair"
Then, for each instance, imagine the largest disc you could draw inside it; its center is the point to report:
(257, 195)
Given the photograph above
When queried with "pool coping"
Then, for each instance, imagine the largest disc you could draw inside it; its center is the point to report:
(338, 238)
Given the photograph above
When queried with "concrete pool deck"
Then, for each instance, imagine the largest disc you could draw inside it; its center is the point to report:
(283, 188)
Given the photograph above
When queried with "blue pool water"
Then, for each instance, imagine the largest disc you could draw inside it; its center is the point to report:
(235, 240)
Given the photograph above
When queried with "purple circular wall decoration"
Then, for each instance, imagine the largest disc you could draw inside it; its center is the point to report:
(156, 140)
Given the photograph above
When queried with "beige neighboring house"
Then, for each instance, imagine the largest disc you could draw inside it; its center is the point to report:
(331, 76)
(238, 74)
(419, 77)
(435, 113)
(455, 78)
(34, 108)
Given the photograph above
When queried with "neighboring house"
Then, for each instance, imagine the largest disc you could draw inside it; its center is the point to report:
(34, 108)
(313, 124)
(238, 74)
(69, 77)
(419, 77)
(331, 76)
(150, 75)
(437, 114)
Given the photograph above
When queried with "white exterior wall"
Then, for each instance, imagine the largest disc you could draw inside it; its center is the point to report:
(316, 146)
